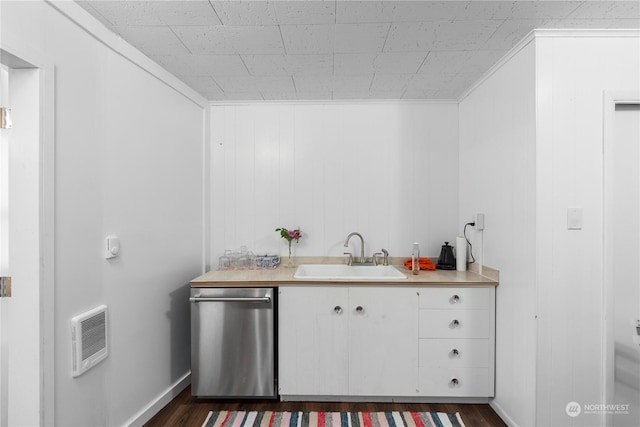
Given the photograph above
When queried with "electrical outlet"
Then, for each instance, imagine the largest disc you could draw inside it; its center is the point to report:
(478, 221)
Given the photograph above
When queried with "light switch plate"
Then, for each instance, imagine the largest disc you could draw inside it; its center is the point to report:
(574, 218)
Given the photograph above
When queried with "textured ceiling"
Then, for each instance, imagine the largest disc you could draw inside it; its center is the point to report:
(310, 50)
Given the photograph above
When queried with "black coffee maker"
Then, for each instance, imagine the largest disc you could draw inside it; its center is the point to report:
(447, 260)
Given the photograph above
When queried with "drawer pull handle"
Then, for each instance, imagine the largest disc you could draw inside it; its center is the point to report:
(337, 309)
(454, 382)
(455, 352)
(359, 309)
(455, 299)
(454, 324)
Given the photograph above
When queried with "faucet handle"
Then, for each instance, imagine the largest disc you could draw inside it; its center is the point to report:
(350, 261)
(375, 257)
(386, 257)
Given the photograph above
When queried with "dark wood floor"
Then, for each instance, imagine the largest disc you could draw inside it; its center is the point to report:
(188, 411)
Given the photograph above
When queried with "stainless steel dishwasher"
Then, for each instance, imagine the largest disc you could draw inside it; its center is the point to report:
(232, 342)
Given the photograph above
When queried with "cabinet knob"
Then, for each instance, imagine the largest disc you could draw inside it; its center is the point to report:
(359, 309)
(454, 382)
(454, 324)
(337, 309)
(455, 352)
(455, 299)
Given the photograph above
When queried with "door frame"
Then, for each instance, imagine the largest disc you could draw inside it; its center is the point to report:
(16, 54)
(610, 100)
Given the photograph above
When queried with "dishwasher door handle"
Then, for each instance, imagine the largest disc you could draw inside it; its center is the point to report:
(265, 299)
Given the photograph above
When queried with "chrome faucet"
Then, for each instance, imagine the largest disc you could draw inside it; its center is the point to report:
(385, 260)
(350, 260)
(386, 257)
(346, 244)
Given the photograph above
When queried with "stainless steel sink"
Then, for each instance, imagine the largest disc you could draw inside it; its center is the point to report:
(347, 272)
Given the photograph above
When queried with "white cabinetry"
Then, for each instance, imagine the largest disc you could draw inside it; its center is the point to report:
(382, 351)
(313, 341)
(457, 341)
(340, 341)
(386, 341)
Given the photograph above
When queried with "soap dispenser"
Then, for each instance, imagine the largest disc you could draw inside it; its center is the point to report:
(415, 258)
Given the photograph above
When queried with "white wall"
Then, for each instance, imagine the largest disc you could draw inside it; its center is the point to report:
(497, 178)
(332, 169)
(572, 74)
(128, 161)
(530, 147)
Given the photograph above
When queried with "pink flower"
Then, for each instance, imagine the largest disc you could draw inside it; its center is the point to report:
(295, 234)
(290, 234)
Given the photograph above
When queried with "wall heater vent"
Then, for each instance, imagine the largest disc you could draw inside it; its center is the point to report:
(89, 339)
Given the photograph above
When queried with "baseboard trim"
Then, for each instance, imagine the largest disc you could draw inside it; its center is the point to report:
(383, 399)
(502, 414)
(160, 402)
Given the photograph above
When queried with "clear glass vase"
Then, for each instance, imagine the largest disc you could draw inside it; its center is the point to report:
(290, 263)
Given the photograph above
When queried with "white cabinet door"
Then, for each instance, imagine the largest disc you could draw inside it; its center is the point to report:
(313, 342)
(383, 334)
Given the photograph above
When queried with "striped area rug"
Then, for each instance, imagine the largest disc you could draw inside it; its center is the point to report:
(331, 419)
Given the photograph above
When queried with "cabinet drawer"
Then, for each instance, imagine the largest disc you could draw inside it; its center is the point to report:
(452, 353)
(461, 382)
(454, 324)
(456, 298)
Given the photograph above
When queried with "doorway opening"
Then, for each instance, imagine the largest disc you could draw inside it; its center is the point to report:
(622, 260)
(26, 184)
